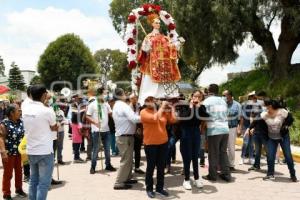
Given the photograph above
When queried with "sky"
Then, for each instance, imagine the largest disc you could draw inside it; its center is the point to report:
(28, 26)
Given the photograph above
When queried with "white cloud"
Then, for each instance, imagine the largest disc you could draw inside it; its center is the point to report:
(27, 33)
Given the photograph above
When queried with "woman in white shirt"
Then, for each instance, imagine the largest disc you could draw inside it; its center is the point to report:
(275, 118)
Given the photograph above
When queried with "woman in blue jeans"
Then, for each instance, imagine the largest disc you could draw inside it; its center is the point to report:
(190, 137)
(278, 121)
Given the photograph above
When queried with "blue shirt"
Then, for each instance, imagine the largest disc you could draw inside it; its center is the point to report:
(14, 135)
(217, 124)
(234, 114)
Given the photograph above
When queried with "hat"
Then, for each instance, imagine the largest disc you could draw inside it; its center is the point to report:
(252, 93)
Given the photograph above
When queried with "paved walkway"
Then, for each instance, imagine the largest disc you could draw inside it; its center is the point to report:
(80, 185)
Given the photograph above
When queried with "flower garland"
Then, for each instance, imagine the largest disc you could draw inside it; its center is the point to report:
(131, 32)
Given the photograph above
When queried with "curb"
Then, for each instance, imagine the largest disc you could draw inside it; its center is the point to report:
(296, 155)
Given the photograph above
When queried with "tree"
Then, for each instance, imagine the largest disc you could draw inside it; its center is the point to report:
(65, 59)
(225, 25)
(36, 80)
(215, 29)
(2, 67)
(112, 64)
(15, 79)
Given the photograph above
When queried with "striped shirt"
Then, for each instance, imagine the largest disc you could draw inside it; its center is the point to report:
(217, 124)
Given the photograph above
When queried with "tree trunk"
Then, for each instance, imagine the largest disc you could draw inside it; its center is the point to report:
(288, 42)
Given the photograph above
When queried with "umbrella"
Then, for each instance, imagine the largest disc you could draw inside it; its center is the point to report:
(3, 89)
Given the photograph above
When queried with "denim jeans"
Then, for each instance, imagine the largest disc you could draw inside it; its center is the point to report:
(105, 139)
(259, 140)
(95, 148)
(60, 145)
(156, 157)
(248, 148)
(41, 168)
(114, 148)
(286, 148)
(171, 148)
(190, 147)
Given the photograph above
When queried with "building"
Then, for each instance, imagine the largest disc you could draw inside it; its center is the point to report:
(28, 75)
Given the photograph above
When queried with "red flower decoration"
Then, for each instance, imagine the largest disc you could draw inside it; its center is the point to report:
(130, 41)
(147, 7)
(157, 8)
(132, 65)
(134, 32)
(132, 51)
(143, 13)
(167, 16)
(171, 26)
(131, 18)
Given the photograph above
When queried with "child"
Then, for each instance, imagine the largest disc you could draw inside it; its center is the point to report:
(76, 138)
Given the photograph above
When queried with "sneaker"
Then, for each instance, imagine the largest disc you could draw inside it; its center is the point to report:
(269, 177)
(252, 161)
(163, 192)
(150, 194)
(294, 178)
(242, 161)
(139, 171)
(187, 185)
(253, 168)
(110, 168)
(7, 197)
(198, 183)
(21, 193)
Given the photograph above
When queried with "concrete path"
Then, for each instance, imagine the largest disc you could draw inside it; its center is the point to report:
(80, 185)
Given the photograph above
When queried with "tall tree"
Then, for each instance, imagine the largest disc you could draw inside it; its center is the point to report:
(36, 80)
(2, 67)
(215, 29)
(112, 64)
(66, 59)
(15, 79)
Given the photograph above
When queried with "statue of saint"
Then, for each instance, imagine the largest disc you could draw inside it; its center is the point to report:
(158, 59)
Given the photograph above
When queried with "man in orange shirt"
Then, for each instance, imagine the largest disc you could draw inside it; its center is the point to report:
(155, 140)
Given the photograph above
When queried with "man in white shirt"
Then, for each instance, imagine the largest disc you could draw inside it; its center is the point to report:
(97, 114)
(39, 122)
(125, 122)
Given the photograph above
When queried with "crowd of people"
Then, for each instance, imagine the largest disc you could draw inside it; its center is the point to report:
(117, 125)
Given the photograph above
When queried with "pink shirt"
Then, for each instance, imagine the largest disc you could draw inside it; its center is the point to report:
(76, 137)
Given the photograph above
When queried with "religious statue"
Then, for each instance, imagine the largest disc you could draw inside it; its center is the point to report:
(158, 59)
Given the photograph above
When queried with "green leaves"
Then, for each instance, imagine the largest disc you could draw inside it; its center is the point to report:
(65, 59)
(15, 79)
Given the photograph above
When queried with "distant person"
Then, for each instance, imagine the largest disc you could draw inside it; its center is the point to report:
(234, 119)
